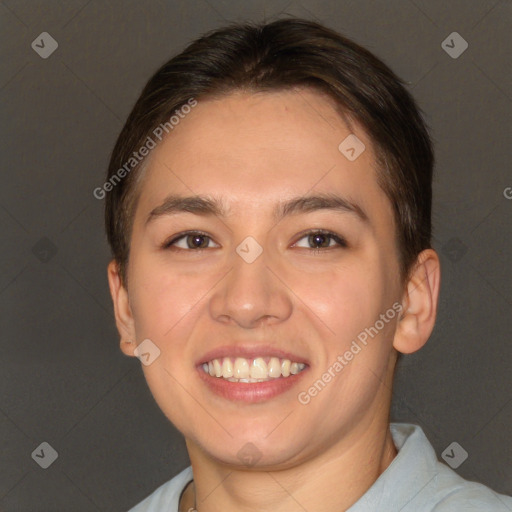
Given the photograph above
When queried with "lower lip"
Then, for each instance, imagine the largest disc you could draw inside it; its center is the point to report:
(250, 392)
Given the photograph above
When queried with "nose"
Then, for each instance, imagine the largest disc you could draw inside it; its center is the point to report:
(251, 295)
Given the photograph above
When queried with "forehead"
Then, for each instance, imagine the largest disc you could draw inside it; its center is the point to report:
(254, 149)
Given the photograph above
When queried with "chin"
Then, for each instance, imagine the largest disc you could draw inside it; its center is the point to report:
(251, 448)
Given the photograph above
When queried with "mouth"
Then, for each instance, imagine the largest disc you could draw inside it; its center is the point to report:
(250, 374)
(248, 371)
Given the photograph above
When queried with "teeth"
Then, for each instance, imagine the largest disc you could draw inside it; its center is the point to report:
(274, 367)
(257, 370)
(217, 368)
(241, 370)
(285, 367)
(227, 368)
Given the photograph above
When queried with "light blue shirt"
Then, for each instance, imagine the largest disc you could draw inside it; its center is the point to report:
(415, 481)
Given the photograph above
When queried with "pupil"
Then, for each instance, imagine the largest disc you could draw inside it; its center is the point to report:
(318, 240)
(197, 241)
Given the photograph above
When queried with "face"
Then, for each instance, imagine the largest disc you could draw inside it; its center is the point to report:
(284, 261)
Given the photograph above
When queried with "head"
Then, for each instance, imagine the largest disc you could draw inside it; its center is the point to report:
(286, 133)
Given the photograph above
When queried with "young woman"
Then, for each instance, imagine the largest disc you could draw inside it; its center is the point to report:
(268, 205)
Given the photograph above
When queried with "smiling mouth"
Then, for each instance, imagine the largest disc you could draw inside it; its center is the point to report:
(258, 369)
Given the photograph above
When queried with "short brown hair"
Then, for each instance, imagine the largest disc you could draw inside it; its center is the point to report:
(280, 55)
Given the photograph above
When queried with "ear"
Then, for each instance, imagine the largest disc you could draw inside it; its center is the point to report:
(419, 303)
(124, 319)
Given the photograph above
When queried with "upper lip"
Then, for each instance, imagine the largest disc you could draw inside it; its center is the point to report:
(249, 352)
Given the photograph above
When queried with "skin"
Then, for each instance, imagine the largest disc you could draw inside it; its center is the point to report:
(254, 150)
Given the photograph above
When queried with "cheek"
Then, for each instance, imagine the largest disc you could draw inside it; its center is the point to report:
(345, 300)
(161, 300)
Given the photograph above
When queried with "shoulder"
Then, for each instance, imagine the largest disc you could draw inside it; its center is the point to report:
(166, 497)
(452, 493)
(416, 481)
(473, 497)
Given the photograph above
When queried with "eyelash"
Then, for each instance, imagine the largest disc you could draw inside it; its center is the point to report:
(333, 236)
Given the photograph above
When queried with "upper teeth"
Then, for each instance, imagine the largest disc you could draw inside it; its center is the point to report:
(255, 370)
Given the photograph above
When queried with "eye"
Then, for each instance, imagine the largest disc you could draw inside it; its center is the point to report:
(195, 240)
(321, 239)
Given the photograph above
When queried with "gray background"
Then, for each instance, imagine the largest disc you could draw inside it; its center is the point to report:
(63, 379)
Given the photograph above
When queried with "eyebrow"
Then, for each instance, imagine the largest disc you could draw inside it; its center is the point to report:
(205, 205)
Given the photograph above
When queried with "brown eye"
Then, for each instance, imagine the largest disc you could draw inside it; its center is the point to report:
(321, 240)
(192, 240)
(197, 241)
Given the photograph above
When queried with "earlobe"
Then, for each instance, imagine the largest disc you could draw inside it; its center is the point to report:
(420, 304)
(122, 310)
